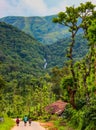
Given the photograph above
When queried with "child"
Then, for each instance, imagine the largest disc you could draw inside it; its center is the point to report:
(29, 121)
(25, 120)
(17, 121)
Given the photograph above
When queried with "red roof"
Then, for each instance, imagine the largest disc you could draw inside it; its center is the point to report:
(56, 107)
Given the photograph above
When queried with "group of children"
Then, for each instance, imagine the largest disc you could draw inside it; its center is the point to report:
(25, 119)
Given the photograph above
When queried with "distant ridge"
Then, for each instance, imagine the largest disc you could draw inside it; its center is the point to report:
(41, 28)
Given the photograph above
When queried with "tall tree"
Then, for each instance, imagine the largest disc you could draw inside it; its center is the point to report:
(70, 19)
(74, 19)
(87, 13)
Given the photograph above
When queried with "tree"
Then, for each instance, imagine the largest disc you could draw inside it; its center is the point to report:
(41, 98)
(92, 38)
(87, 13)
(68, 85)
(70, 19)
(75, 19)
(56, 76)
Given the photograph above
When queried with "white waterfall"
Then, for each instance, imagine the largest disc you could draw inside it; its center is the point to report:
(45, 65)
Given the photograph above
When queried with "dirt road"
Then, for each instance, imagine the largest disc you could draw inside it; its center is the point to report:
(34, 126)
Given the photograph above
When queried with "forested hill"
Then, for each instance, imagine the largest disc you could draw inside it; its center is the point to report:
(41, 28)
(20, 54)
(56, 54)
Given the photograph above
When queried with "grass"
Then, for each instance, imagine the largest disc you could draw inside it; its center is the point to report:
(61, 125)
(7, 124)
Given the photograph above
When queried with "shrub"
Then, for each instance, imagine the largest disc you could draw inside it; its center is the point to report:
(7, 124)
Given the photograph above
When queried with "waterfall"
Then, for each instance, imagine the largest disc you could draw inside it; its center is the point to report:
(45, 65)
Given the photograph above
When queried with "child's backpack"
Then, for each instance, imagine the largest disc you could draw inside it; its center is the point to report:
(17, 120)
(25, 119)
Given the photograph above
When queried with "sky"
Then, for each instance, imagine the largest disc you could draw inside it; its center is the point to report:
(36, 7)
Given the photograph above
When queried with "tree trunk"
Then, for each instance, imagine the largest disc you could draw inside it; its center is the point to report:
(72, 97)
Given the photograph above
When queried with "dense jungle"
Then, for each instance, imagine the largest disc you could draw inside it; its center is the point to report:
(45, 59)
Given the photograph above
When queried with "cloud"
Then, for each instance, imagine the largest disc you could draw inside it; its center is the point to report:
(93, 1)
(22, 7)
(3, 7)
(67, 3)
(40, 7)
(55, 9)
(35, 7)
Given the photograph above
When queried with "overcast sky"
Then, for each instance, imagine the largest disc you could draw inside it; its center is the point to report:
(36, 7)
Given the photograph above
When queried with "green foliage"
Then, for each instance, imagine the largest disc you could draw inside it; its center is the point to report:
(41, 98)
(22, 54)
(2, 82)
(84, 119)
(56, 53)
(90, 114)
(67, 114)
(83, 72)
(7, 124)
(92, 32)
(61, 124)
(27, 99)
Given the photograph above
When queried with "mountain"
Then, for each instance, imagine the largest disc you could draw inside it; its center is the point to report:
(41, 28)
(20, 54)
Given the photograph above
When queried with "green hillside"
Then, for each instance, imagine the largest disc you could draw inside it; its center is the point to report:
(56, 54)
(41, 28)
(20, 54)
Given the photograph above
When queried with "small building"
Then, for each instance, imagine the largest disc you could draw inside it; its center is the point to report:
(57, 107)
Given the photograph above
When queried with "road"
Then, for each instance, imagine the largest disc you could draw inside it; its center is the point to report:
(34, 126)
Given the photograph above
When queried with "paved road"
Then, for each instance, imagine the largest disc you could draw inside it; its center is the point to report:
(34, 126)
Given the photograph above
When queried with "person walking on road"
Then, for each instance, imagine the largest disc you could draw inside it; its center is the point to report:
(29, 120)
(17, 121)
(25, 120)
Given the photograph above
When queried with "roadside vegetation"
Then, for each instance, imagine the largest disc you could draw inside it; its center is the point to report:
(7, 124)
